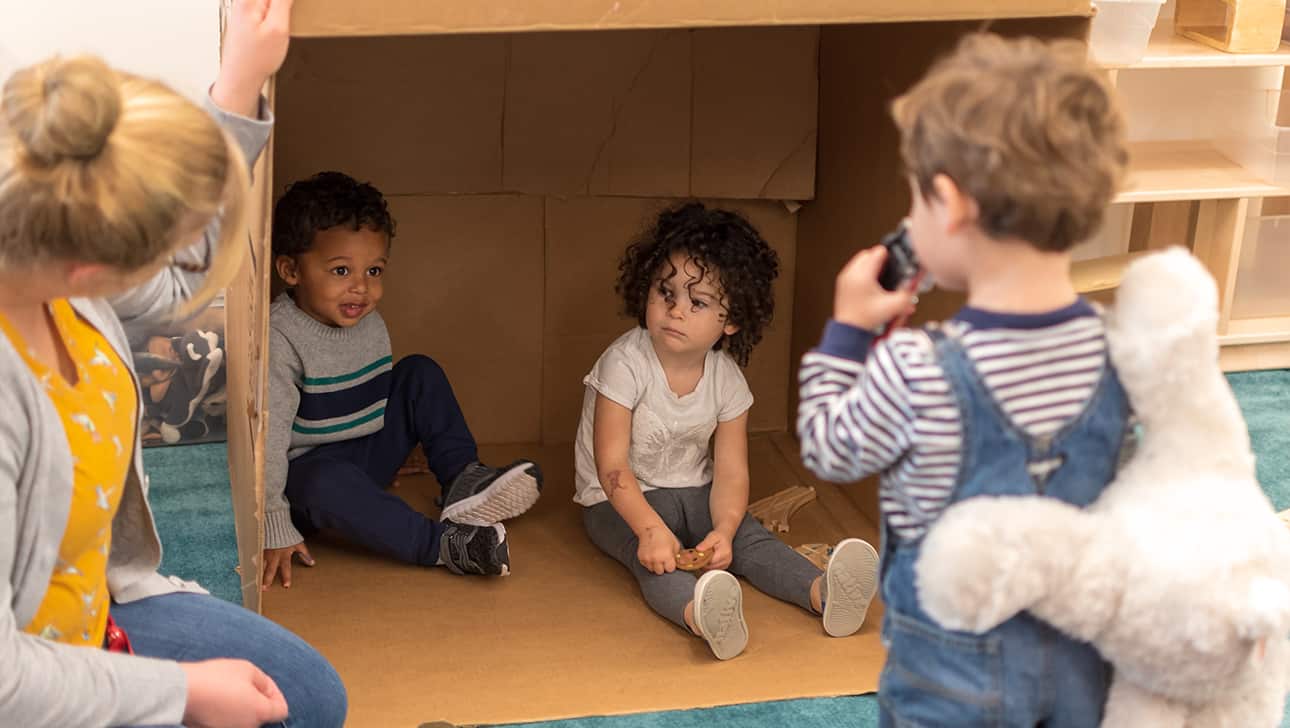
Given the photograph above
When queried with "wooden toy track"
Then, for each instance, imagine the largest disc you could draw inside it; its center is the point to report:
(775, 510)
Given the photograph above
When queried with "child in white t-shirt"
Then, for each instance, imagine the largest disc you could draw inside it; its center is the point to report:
(662, 446)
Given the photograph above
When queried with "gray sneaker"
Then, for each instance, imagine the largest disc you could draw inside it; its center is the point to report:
(719, 613)
(481, 496)
(475, 549)
(850, 583)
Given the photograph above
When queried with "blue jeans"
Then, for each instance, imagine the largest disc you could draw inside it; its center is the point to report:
(194, 627)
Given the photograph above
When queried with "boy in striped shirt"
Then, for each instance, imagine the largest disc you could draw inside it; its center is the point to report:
(1014, 149)
(343, 417)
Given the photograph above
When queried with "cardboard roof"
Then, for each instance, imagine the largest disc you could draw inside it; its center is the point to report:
(415, 17)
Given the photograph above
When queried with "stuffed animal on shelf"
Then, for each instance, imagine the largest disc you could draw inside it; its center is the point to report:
(1179, 574)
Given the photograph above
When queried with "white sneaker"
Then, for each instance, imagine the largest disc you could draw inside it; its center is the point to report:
(851, 581)
(719, 613)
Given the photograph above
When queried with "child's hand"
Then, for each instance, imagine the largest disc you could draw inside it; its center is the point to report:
(255, 44)
(718, 544)
(859, 301)
(658, 548)
(279, 560)
(231, 694)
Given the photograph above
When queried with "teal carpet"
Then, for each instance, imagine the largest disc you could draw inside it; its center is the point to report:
(193, 507)
(194, 513)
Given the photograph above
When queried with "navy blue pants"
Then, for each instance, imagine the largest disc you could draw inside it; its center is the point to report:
(342, 485)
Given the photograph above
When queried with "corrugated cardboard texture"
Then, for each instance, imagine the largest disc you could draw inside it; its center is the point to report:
(406, 17)
(755, 101)
(567, 634)
(585, 238)
(246, 335)
(602, 113)
(720, 113)
(465, 286)
(410, 115)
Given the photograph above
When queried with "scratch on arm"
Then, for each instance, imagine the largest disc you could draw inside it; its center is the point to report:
(613, 484)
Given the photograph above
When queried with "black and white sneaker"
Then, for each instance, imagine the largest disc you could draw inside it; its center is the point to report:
(481, 496)
(466, 549)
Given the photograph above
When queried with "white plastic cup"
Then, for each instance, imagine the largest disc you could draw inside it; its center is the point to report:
(1121, 29)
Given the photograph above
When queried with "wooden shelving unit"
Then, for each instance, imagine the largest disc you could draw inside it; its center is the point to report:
(1101, 274)
(1168, 50)
(1188, 170)
(1189, 192)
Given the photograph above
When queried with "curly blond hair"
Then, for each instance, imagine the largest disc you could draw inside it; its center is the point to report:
(1029, 129)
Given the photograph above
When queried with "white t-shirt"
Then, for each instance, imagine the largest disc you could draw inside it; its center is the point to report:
(671, 435)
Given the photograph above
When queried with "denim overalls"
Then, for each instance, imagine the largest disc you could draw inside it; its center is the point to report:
(1023, 672)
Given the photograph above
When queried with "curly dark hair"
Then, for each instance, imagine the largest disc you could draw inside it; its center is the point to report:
(719, 241)
(323, 201)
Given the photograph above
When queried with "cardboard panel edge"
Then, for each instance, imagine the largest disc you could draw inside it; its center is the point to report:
(323, 18)
(247, 339)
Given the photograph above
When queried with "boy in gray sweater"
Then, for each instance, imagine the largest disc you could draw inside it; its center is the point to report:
(343, 417)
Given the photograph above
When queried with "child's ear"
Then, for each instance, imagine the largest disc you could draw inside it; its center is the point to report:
(957, 207)
(287, 269)
(730, 329)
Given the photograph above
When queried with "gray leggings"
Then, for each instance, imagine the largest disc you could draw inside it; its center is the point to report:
(770, 564)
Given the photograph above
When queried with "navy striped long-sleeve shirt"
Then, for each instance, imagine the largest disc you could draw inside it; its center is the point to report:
(888, 409)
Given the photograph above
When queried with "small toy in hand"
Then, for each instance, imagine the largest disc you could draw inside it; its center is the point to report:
(901, 265)
(692, 559)
(899, 270)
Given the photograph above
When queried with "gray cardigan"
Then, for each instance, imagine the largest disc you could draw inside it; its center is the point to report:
(45, 683)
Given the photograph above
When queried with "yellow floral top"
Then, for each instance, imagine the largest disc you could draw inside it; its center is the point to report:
(99, 417)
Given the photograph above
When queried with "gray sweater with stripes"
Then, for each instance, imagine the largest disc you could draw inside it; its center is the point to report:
(326, 384)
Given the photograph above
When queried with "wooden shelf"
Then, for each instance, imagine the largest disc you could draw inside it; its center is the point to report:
(1254, 356)
(1269, 330)
(1101, 274)
(1167, 50)
(1188, 170)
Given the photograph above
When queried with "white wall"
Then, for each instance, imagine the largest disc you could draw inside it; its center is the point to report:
(174, 40)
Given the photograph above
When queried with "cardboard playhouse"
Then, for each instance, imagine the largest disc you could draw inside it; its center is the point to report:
(521, 145)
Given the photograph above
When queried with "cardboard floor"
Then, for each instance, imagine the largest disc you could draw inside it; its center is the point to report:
(567, 634)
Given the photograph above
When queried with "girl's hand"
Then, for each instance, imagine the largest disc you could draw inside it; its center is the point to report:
(859, 301)
(721, 549)
(657, 551)
(255, 44)
(231, 694)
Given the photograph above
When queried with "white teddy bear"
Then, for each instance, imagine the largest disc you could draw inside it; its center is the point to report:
(1179, 574)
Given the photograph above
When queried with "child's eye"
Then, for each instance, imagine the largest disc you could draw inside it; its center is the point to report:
(700, 304)
(375, 271)
(341, 270)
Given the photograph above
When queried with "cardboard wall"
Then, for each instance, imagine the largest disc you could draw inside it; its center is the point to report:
(247, 342)
(718, 113)
(519, 167)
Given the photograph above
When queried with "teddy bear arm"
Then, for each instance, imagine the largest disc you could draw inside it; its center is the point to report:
(989, 558)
